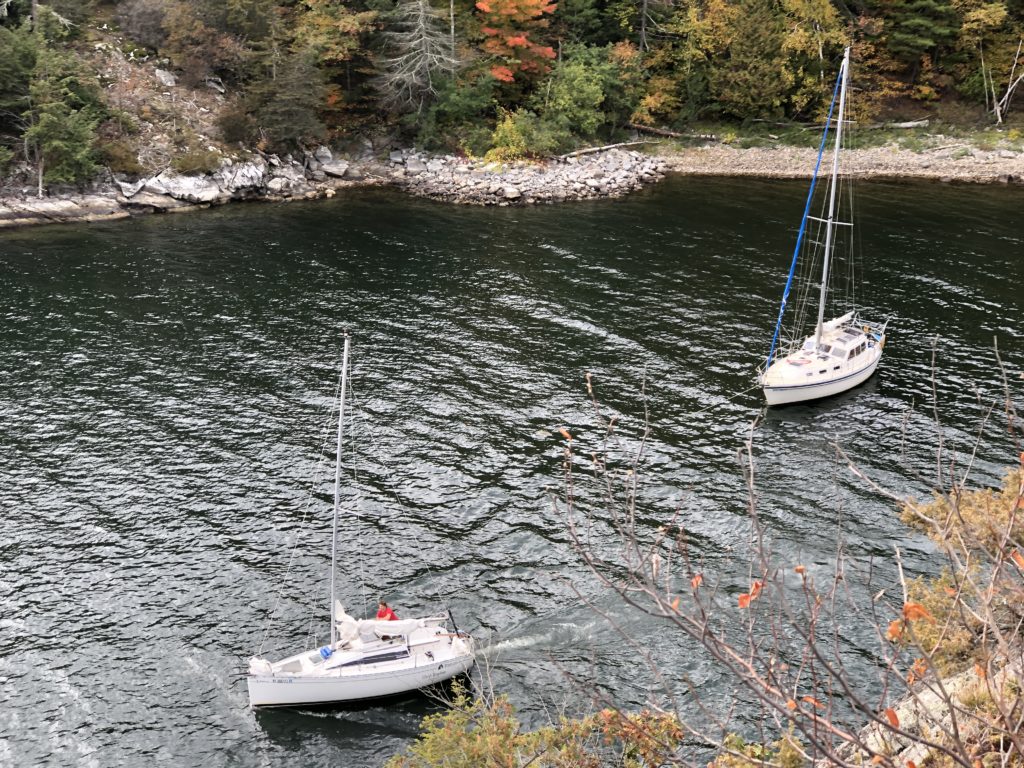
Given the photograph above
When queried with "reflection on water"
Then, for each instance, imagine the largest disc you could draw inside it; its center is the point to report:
(166, 383)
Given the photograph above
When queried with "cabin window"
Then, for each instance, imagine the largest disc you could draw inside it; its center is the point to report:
(826, 348)
(838, 352)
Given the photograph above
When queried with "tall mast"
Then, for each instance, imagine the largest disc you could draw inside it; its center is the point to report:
(830, 224)
(337, 488)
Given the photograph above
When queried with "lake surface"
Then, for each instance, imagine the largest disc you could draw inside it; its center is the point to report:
(166, 384)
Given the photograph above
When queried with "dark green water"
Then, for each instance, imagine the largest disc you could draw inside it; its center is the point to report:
(165, 383)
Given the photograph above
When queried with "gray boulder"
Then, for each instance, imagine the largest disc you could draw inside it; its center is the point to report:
(335, 168)
(244, 177)
(193, 189)
(167, 79)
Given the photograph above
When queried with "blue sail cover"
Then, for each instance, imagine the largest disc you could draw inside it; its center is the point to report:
(803, 221)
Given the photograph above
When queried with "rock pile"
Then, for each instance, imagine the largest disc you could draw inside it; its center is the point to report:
(948, 160)
(454, 179)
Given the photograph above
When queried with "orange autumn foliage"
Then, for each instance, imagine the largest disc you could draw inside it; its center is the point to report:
(813, 702)
(512, 29)
(747, 597)
(895, 630)
(915, 611)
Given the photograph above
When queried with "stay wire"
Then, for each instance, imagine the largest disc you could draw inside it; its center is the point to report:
(307, 507)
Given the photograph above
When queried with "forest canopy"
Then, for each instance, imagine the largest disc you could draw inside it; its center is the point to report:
(513, 77)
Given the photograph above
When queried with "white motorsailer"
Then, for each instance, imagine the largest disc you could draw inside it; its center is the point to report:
(365, 659)
(842, 352)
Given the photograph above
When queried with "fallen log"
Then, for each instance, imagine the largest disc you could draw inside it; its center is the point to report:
(671, 134)
(592, 150)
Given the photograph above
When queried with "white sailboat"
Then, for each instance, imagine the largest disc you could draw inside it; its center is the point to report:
(365, 659)
(844, 351)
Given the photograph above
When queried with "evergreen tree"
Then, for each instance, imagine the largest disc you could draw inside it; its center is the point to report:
(62, 117)
(918, 28)
(284, 107)
(583, 21)
(17, 60)
(752, 81)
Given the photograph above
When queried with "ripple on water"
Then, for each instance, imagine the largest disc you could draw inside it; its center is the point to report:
(167, 401)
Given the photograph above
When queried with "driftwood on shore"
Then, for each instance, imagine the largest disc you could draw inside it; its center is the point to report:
(666, 133)
(605, 148)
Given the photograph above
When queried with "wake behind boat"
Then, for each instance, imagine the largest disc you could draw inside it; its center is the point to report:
(365, 659)
(842, 352)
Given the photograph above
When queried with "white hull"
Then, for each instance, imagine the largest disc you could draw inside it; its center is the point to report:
(295, 690)
(848, 356)
(371, 659)
(799, 393)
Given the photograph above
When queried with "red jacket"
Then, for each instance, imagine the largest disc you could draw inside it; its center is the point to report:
(386, 614)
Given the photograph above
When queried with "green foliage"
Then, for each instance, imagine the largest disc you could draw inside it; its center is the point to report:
(236, 124)
(473, 733)
(582, 22)
(512, 137)
(6, 155)
(459, 116)
(948, 638)
(332, 30)
(121, 156)
(591, 89)
(917, 28)
(64, 112)
(17, 60)
(196, 161)
(284, 108)
(982, 517)
(753, 81)
(787, 752)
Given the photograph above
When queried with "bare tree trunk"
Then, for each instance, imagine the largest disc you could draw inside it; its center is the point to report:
(643, 25)
(451, 16)
(1000, 106)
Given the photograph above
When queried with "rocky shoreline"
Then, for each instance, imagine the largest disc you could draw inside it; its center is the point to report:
(608, 173)
(948, 160)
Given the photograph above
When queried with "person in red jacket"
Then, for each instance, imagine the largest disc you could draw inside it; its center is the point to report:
(384, 612)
